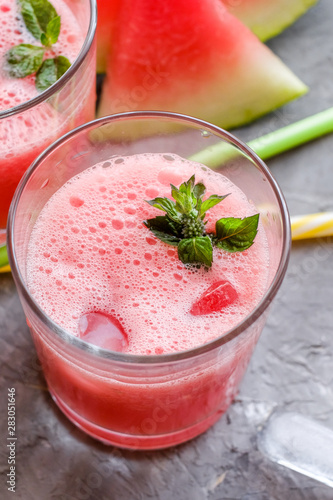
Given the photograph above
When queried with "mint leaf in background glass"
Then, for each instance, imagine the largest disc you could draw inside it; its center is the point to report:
(236, 235)
(37, 15)
(52, 32)
(30, 19)
(196, 251)
(24, 59)
(50, 71)
(63, 64)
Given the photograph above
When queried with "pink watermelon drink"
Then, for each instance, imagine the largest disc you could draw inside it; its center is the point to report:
(140, 347)
(31, 119)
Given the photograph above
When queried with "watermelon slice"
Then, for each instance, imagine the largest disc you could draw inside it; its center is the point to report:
(194, 58)
(106, 25)
(267, 18)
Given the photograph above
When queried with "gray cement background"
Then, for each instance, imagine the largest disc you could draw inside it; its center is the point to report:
(292, 367)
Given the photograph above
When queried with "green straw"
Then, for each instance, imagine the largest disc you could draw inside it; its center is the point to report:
(274, 143)
(3, 256)
(293, 135)
(266, 146)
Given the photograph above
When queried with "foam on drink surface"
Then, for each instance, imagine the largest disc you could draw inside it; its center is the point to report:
(90, 253)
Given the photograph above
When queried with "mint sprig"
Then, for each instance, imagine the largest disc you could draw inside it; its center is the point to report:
(43, 22)
(50, 71)
(23, 60)
(39, 16)
(52, 32)
(184, 224)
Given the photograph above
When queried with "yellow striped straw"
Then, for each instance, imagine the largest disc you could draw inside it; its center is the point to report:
(312, 225)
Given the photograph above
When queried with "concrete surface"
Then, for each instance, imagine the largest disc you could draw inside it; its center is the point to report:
(291, 368)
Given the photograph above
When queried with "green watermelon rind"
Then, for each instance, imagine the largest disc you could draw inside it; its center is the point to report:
(279, 15)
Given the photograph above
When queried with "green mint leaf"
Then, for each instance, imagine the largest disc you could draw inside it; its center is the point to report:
(187, 186)
(213, 200)
(163, 223)
(196, 251)
(165, 237)
(50, 71)
(30, 19)
(166, 205)
(185, 196)
(164, 229)
(184, 202)
(199, 190)
(37, 14)
(236, 235)
(63, 64)
(23, 60)
(52, 32)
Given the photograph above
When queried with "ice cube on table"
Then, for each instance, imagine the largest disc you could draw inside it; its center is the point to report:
(299, 443)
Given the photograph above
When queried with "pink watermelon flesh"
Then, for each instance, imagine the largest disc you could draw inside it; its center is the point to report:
(107, 11)
(267, 18)
(194, 58)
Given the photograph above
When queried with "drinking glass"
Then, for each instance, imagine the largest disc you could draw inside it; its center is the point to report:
(146, 401)
(27, 129)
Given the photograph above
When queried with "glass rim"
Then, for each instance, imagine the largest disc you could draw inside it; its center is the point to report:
(59, 84)
(143, 359)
